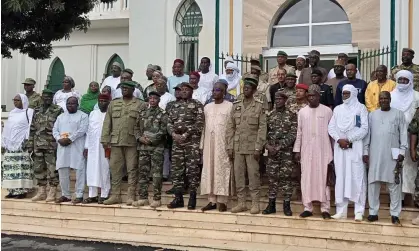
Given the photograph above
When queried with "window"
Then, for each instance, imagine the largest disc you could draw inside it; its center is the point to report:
(311, 23)
(56, 75)
(188, 25)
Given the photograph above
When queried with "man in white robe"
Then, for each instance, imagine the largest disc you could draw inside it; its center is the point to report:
(113, 80)
(70, 133)
(406, 99)
(216, 171)
(207, 78)
(348, 126)
(97, 173)
(314, 152)
(384, 146)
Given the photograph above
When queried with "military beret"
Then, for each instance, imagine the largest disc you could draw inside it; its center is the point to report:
(129, 83)
(153, 93)
(282, 53)
(314, 53)
(47, 91)
(129, 71)
(291, 74)
(408, 50)
(29, 81)
(302, 86)
(251, 80)
(317, 72)
(186, 84)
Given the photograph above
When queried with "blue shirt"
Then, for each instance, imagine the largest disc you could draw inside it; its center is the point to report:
(173, 81)
(359, 84)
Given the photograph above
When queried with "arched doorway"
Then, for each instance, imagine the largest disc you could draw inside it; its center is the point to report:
(299, 26)
(56, 75)
(114, 58)
(188, 25)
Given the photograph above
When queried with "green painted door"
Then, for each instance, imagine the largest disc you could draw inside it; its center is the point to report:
(56, 76)
(115, 58)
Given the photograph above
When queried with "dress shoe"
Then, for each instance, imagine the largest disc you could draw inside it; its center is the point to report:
(271, 208)
(101, 200)
(210, 206)
(77, 200)
(62, 199)
(372, 218)
(326, 216)
(178, 201)
(395, 220)
(222, 207)
(287, 208)
(21, 196)
(10, 196)
(90, 200)
(306, 214)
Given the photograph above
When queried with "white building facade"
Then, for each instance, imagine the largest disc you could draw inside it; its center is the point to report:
(135, 34)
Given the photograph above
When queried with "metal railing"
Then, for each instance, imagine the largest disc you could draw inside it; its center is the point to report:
(370, 59)
(242, 61)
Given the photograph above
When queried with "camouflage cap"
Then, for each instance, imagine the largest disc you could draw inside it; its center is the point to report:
(186, 84)
(47, 91)
(282, 93)
(291, 74)
(408, 50)
(256, 67)
(251, 80)
(129, 71)
(29, 81)
(129, 83)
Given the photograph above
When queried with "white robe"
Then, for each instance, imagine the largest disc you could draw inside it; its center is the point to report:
(165, 99)
(207, 81)
(351, 175)
(201, 94)
(111, 81)
(75, 124)
(97, 163)
(60, 98)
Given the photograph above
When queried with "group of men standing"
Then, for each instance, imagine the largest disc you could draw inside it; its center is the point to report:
(291, 123)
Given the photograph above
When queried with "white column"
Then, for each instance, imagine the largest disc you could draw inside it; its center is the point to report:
(415, 31)
(384, 23)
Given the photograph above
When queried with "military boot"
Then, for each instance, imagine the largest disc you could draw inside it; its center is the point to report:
(52, 193)
(140, 203)
(131, 195)
(271, 208)
(178, 201)
(41, 195)
(114, 199)
(255, 206)
(241, 206)
(287, 208)
(192, 200)
(155, 203)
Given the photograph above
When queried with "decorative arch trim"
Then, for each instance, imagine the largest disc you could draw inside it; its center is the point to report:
(109, 63)
(54, 86)
(183, 8)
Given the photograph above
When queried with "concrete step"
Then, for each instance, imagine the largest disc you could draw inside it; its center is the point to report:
(69, 220)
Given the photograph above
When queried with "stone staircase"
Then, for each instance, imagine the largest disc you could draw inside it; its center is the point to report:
(194, 230)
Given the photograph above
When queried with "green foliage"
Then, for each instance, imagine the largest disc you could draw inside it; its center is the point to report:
(30, 26)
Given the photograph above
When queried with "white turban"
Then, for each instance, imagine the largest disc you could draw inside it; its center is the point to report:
(346, 120)
(402, 96)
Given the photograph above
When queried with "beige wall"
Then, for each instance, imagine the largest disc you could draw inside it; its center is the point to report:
(257, 14)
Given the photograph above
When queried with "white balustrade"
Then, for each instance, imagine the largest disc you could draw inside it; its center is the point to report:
(117, 9)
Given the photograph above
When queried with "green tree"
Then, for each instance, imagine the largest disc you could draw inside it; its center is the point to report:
(30, 26)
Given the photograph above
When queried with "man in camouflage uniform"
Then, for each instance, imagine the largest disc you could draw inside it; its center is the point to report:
(282, 57)
(289, 88)
(185, 125)
(44, 147)
(35, 99)
(118, 133)
(300, 100)
(152, 139)
(407, 64)
(246, 135)
(282, 131)
(414, 153)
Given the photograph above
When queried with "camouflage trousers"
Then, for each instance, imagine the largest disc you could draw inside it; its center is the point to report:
(150, 162)
(186, 156)
(44, 167)
(279, 170)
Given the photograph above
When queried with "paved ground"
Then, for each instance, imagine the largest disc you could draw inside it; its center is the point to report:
(29, 243)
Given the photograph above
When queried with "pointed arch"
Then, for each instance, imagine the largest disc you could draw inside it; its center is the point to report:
(114, 58)
(309, 23)
(188, 19)
(56, 74)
